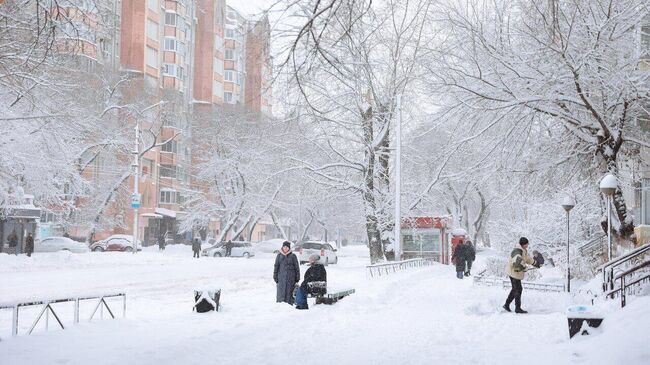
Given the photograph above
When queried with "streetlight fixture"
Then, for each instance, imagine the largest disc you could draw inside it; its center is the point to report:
(608, 186)
(568, 203)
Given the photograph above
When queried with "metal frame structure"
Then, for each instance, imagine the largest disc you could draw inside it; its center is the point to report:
(625, 286)
(392, 267)
(47, 309)
(608, 268)
(498, 281)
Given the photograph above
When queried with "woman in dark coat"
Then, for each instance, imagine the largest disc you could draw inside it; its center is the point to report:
(459, 257)
(470, 256)
(286, 273)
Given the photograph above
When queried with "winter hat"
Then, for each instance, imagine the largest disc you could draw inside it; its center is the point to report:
(314, 257)
(523, 241)
(287, 244)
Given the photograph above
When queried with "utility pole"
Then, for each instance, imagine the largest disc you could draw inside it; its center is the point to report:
(135, 198)
(398, 179)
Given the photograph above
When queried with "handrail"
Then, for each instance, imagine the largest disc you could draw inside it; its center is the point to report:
(47, 309)
(389, 267)
(505, 283)
(623, 286)
(591, 244)
(608, 267)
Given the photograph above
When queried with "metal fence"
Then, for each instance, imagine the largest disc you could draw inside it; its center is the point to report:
(393, 267)
(47, 309)
(505, 283)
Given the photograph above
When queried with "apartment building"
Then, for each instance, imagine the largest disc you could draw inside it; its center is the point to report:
(193, 55)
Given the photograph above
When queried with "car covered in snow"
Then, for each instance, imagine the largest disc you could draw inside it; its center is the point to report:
(270, 246)
(116, 242)
(54, 244)
(325, 250)
(239, 249)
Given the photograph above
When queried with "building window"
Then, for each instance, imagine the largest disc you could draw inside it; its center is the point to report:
(218, 43)
(170, 69)
(217, 88)
(152, 5)
(168, 171)
(230, 54)
(152, 29)
(239, 78)
(227, 97)
(171, 44)
(168, 196)
(171, 19)
(230, 33)
(152, 57)
(170, 146)
(645, 41)
(644, 204)
(218, 66)
(228, 75)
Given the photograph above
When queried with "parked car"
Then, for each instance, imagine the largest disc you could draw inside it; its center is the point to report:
(116, 242)
(239, 249)
(325, 250)
(270, 246)
(54, 244)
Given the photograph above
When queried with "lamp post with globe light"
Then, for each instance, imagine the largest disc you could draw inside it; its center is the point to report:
(608, 186)
(568, 203)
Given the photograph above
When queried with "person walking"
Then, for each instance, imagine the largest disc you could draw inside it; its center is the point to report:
(228, 248)
(196, 247)
(519, 258)
(459, 257)
(315, 273)
(13, 241)
(470, 255)
(29, 244)
(286, 273)
(161, 242)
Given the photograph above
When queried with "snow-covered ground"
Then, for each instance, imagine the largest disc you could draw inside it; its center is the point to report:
(420, 316)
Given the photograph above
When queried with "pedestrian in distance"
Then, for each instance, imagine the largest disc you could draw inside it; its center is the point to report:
(161, 242)
(13, 241)
(196, 247)
(29, 244)
(470, 255)
(229, 248)
(286, 273)
(519, 258)
(315, 273)
(459, 258)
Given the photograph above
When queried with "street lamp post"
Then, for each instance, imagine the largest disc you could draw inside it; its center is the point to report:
(608, 186)
(568, 203)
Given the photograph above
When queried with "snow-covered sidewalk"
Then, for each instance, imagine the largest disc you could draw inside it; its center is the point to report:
(422, 316)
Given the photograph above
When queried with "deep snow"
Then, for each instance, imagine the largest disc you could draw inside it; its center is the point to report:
(420, 316)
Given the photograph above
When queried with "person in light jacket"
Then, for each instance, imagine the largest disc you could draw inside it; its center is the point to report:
(519, 258)
(286, 273)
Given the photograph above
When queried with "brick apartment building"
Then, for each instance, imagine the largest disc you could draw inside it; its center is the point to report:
(198, 52)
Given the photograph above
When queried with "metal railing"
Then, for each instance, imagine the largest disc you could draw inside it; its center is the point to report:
(505, 283)
(608, 268)
(393, 267)
(635, 281)
(594, 245)
(47, 309)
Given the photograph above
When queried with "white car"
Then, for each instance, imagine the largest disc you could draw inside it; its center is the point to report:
(116, 242)
(54, 244)
(325, 250)
(270, 246)
(239, 249)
